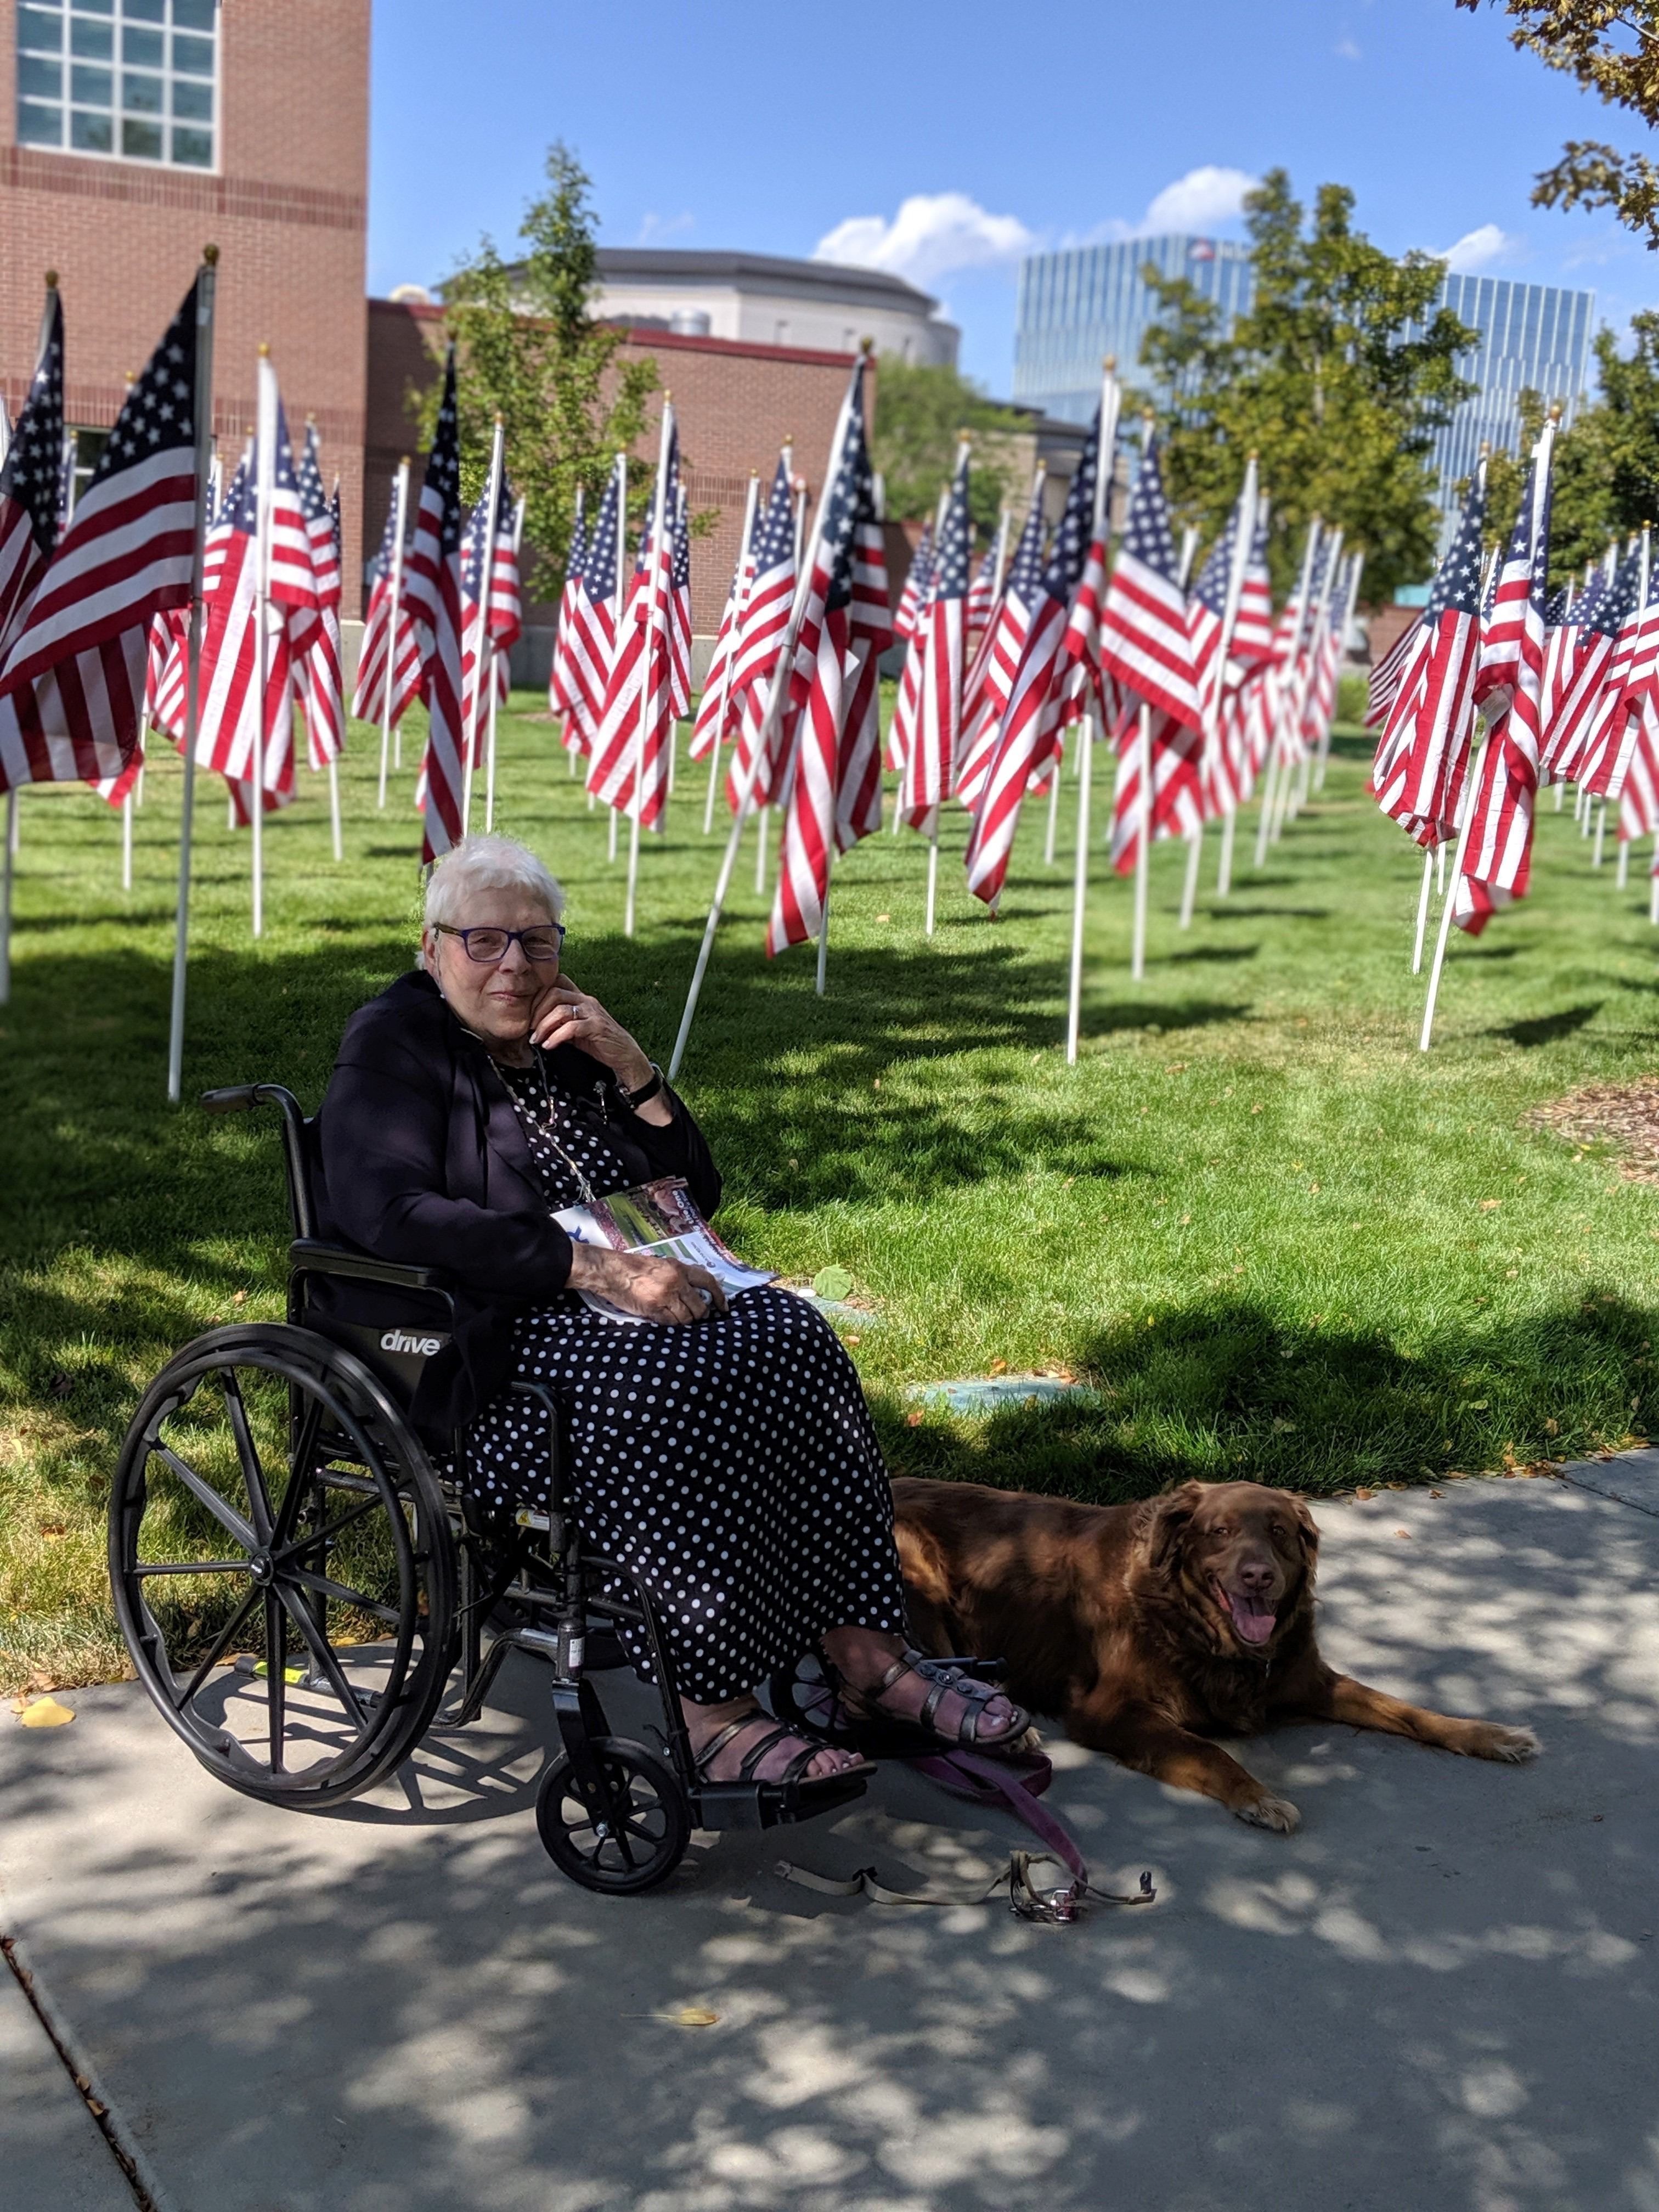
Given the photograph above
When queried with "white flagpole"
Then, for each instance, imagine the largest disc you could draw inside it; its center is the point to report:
(481, 668)
(1355, 569)
(824, 940)
(334, 807)
(740, 607)
(1080, 891)
(1195, 842)
(400, 510)
(661, 567)
(127, 842)
(265, 477)
(768, 725)
(1143, 847)
(622, 609)
(1423, 912)
(933, 868)
(1293, 789)
(1270, 775)
(495, 690)
(204, 289)
(1053, 800)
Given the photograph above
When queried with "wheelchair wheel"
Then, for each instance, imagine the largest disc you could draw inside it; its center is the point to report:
(282, 1566)
(632, 1852)
(801, 1695)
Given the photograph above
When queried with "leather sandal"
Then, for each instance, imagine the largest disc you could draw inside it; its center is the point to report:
(944, 1677)
(794, 1775)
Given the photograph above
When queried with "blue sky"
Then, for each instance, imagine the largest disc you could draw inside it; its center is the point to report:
(967, 134)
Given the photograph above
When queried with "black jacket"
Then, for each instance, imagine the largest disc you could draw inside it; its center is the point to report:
(420, 1159)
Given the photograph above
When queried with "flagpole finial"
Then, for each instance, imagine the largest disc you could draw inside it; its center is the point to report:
(1110, 364)
(265, 349)
(51, 280)
(403, 460)
(210, 255)
(1555, 411)
(867, 347)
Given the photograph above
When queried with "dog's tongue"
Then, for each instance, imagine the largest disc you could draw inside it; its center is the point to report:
(1256, 1624)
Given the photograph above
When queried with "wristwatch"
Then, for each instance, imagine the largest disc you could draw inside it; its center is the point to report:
(647, 1092)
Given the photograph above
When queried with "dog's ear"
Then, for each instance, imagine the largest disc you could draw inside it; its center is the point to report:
(1166, 1529)
(1308, 1529)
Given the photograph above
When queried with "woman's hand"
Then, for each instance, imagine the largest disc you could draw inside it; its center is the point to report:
(657, 1289)
(566, 1015)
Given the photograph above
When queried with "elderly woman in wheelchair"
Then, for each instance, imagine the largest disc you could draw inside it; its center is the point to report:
(704, 1472)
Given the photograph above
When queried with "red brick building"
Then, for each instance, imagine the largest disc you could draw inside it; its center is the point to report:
(134, 131)
(737, 402)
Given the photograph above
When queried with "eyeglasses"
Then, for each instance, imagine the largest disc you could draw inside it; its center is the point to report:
(487, 947)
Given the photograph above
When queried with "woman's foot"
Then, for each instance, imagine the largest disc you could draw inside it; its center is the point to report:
(725, 1739)
(882, 1678)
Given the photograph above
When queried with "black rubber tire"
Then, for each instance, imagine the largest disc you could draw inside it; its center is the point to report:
(657, 1831)
(300, 1461)
(800, 1696)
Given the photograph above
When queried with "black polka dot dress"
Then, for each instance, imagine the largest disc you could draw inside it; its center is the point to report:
(731, 1462)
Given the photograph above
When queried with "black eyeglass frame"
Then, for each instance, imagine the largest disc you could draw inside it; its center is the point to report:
(494, 959)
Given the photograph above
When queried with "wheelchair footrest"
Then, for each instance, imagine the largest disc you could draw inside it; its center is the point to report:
(770, 1804)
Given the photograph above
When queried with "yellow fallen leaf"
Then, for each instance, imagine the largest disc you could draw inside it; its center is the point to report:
(686, 2017)
(1365, 1493)
(45, 1712)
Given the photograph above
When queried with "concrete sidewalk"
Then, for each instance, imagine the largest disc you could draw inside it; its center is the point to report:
(1440, 1994)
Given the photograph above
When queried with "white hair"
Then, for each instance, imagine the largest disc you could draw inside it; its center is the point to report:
(487, 864)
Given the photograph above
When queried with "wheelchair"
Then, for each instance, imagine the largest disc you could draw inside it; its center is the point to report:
(297, 1581)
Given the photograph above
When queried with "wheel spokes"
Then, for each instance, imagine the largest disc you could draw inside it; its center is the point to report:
(299, 1470)
(314, 1538)
(341, 1592)
(276, 1680)
(191, 1567)
(217, 1649)
(199, 1485)
(253, 1473)
(323, 1653)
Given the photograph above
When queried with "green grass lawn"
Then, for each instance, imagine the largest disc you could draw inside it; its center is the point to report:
(1275, 1238)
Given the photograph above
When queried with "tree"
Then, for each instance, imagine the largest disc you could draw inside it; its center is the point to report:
(528, 349)
(1581, 39)
(1606, 467)
(920, 411)
(1337, 378)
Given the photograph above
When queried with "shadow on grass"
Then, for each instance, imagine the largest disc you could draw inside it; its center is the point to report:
(1230, 952)
(1232, 1391)
(1548, 1028)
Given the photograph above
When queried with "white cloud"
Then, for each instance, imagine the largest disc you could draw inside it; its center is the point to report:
(1346, 51)
(1198, 201)
(1479, 249)
(655, 228)
(932, 235)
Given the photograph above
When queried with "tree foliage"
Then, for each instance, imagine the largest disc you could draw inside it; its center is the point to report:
(1606, 465)
(1337, 378)
(1612, 51)
(528, 349)
(920, 411)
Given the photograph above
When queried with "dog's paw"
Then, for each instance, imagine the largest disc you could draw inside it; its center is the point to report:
(1269, 1812)
(1511, 1745)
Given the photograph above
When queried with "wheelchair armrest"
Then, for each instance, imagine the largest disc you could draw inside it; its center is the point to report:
(310, 1255)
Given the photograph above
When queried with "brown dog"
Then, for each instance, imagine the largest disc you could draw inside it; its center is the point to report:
(1150, 1627)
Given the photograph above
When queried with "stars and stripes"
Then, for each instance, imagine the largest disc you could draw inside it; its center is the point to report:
(918, 577)
(1423, 754)
(317, 665)
(1584, 668)
(937, 647)
(760, 642)
(989, 680)
(29, 501)
(629, 763)
(717, 709)
(558, 675)
(1031, 716)
(71, 691)
(1144, 640)
(844, 627)
(432, 585)
(592, 636)
(380, 658)
(1496, 857)
(230, 732)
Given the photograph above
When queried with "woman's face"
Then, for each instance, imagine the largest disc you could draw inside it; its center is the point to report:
(499, 1002)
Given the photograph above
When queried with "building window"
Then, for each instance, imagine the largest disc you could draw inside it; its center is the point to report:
(128, 80)
(88, 452)
(780, 332)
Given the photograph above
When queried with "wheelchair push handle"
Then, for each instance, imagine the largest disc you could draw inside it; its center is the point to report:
(237, 1097)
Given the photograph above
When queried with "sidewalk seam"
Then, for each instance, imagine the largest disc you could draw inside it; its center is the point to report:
(147, 2192)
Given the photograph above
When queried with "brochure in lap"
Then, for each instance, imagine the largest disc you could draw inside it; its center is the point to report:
(662, 1219)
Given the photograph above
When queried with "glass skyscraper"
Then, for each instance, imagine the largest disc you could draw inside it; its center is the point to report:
(1078, 306)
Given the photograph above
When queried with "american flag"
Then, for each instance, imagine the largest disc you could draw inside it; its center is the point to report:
(293, 578)
(1423, 753)
(679, 612)
(845, 625)
(716, 708)
(917, 578)
(631, 746)
(72, 689)
(983, 593)
(1382, 684)
(1604, 752)
(1216, 671)
(760, 642)
(229, 726)
(317, 666)
(432, 582)
(558, 696)
(1026, 736)
(592, 635)
(506, 609)
(29, 505)
(1496, 851)
(374, 654)
(1143, 625)
(990, 678)
(939, 644)
(1578, 664)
